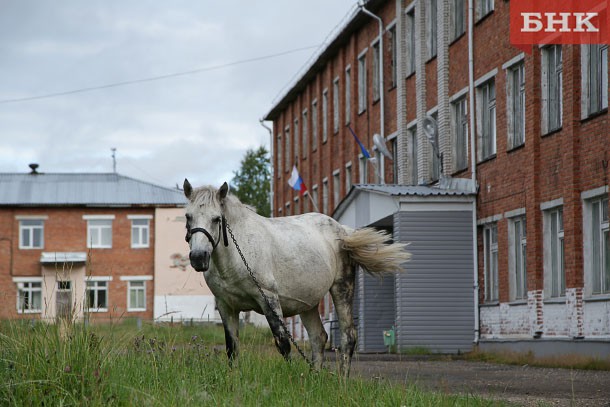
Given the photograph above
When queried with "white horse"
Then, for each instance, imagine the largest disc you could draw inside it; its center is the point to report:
(296, 260)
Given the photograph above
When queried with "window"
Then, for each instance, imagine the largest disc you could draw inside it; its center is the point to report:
(31, 234)
(29, 295)
(306, 202)
(287, 151)
(552, 84)
(140, 231)
(458, 18)
(99, 231)
(410, 26)
(412, 134)
(336, 187)
(279, 153)
(460, 134)
(348, 176)
(314, 125)
(288, 211)
(394, 145)
(554, 275)
(599, 246)
(363, 169)
(487, 124)
(348, 95)
(435, 162)
(516, 105)
(297, 142)
(325, 195)
(314, 196)
(304, 133)
(376, 70)
(136, 292)
(490, 246)
(296, 206)
(97, 295)
(518, 258)
(362, 101)
(431, 28)
(393, 56)
(595, 77)
(485, 7)
(325, 116)
(336, 105)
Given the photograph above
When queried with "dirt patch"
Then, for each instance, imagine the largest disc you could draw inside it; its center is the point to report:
(523, 385)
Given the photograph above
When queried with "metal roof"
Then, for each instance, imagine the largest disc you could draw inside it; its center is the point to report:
(89, 189)
(412, 190)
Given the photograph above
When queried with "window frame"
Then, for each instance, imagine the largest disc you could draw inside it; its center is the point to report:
(376, 84)
(336, 104)
(36, 225)
(516, 100)
(34, 289)
(410, 41)
(487, 120)
(141, 230)
(94, 222)
(595, 78)
(130, 287)
(324, 115)
(459, 110)
(517, 230)
(552, 84)
(554, 251)
(314, 125)
(490, 252)
(96, 285)
(304, 132)
(348, 94)
(362, 83)
(458, 19)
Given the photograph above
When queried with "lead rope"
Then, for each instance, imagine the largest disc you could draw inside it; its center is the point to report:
(267, 298)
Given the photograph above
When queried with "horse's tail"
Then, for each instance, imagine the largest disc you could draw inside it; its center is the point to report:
(371, 249)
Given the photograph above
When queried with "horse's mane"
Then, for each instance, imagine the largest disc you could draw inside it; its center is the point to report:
(206, 195)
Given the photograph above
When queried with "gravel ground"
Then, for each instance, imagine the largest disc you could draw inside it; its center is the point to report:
(522, 385)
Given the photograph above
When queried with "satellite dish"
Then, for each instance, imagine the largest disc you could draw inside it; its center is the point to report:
(430, 129)
(380, 144)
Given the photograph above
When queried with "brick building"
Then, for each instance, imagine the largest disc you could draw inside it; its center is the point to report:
(79, 245)
(530, 130)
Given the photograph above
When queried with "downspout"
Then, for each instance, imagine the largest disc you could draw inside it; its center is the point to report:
(381, 90)
(262, 122)
(473, 166)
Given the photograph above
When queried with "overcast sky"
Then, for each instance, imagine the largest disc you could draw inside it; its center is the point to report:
(197, 125)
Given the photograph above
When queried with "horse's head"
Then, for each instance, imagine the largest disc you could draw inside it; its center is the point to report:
(204, 214)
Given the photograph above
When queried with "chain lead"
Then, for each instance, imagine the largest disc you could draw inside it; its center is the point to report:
(260, 289)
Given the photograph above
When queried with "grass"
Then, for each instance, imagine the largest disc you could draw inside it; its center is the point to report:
(164, 365)
(519, 358)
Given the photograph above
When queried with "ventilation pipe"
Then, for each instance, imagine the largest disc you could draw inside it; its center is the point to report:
(381, 89)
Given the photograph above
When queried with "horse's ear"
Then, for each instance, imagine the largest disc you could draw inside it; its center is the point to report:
(223, 191)
(188, 189)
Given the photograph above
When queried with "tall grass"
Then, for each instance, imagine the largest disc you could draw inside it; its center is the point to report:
(174, 366)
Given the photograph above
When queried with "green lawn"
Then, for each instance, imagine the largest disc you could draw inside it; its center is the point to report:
(162, 365)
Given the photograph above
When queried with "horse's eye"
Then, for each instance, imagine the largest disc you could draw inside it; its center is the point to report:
(216, 219)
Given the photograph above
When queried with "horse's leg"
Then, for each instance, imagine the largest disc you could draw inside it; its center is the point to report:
(317, 336)
(274, 318)
(230, 322)
(342, 292)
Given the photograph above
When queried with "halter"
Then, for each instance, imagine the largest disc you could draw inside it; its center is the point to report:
(222, 225)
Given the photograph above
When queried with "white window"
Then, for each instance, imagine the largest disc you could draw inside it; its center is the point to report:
(336, 187)
(324, 115)
(99, 231)
(460, 134)
(336, 105)
(516, 105)
(490, 247)
(486, 98)
(348, 95)
(376, 70)
(97, 294)
(362, 100)
(364, 171)
(554, 274)
(314, 125)
(314, 195)
(297, 142)
(435, 162)
(600, 244)
(484, 7)
(31, 234)
(287, 151)
(136, 292)
(595, 78)
(393, 55)
(348, 176)
(29, 295)
(518, 258)
(410, 26)
(305, 135)
(458, 18)
(552, 85)
(412, 134)
(140, 231)
(431, 27)
(394, 145)
(325, 195)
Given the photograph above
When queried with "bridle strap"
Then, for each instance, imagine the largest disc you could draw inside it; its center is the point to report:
(221, 228)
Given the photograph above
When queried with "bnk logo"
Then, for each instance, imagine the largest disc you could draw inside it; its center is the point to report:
(558, 22)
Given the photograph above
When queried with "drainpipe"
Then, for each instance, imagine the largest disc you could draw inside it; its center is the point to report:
(262, 122)
(381, 89)
(473, 166)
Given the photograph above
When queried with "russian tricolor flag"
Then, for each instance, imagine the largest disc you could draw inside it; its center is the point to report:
(296, 182)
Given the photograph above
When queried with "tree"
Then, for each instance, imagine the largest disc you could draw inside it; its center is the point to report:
(251, 183)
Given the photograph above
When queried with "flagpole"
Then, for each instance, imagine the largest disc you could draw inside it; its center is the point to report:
(312, 202)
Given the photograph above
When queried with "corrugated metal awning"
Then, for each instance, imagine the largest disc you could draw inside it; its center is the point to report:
(63, 257)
